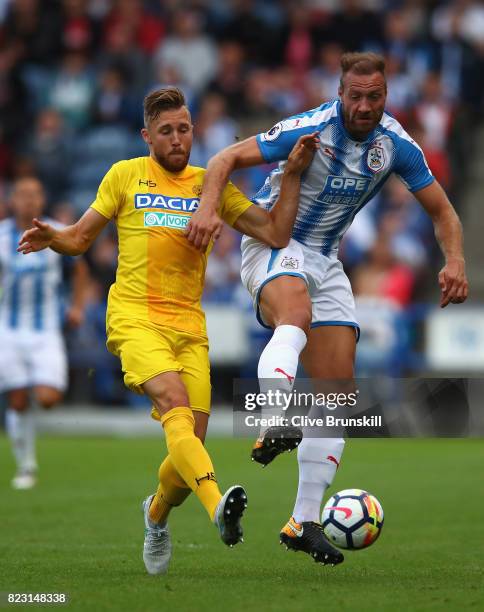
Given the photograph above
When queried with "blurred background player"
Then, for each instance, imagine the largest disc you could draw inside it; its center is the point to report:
(302, 291)
(155, 322)
(33, 361)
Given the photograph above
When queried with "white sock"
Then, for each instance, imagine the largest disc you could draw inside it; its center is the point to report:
(278, 364)
(21, 431)
(318, 460)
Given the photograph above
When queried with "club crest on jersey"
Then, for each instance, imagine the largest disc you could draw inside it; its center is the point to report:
(273, 133)
(376, 158)
(290, 263)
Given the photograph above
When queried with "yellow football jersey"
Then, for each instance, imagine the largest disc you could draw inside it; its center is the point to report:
(160, 275)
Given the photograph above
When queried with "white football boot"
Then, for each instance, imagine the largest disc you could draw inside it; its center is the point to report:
(228, 513)
(157, 544)
(24, 480)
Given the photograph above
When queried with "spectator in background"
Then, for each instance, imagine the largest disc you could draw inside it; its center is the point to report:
(437, 159)
(213, 129)
(229, 81)
(286, 93)
(248, 29)
(4, 211)
(401, 88)
(50, 151)
(383, 276)
(188, 50)
(354, 27)
(430, 123)
(33, 28)
(464, 18)
(15, 110)
(223, 268)
(112, 102)
(383, 287)
(120, 49)
(258, 104)
(434, 113)
(88, 349)
(102, 259)
(361, 235)
(64, 213)
(404, 246)
(326, 75)
(298, 51)
(72, 90)
(405, 44)
(6, 155)
(395, 214)
(79, 29)
(414, 227)
(146, 29)
(461, 62)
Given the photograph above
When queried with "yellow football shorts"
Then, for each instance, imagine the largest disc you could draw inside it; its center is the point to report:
(146, 350)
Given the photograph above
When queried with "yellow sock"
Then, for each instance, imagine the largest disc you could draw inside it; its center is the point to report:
(190, 458)
(172, 491)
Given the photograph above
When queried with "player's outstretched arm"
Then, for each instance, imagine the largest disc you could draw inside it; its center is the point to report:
(274, 227)
(205, 224)
(71, 240)
(448, 231)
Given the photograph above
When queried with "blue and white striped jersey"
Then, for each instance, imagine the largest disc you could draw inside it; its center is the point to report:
(30, 285)
(344, 174)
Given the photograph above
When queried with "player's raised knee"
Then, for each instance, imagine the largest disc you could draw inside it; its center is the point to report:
(298, 315)
(167, 397)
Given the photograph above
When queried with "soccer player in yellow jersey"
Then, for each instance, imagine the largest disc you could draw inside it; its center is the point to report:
(155, 323)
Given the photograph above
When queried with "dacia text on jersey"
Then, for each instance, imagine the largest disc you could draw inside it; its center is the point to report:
(177, 220)
(157, 200)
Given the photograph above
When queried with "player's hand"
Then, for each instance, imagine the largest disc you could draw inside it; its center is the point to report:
(204, 225)
(453, 282)
(37, 238)
(75, 316)
(302, 153)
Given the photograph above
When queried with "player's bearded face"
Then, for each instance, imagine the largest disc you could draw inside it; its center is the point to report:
(170, 137)
(363, 98)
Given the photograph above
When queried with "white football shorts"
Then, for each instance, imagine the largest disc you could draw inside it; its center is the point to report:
(328, 286)
(30, 359)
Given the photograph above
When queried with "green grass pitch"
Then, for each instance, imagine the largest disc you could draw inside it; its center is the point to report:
(80, 531)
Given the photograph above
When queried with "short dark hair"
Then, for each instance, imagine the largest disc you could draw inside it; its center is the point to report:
(361, 63)
(157, 101)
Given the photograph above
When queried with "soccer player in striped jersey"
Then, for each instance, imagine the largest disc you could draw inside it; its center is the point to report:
(301, 291)
(33, 363)
(155, 323)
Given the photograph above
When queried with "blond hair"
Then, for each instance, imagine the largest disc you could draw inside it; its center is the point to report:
(166, 98)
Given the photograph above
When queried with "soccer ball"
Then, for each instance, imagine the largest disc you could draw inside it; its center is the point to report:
(352, 519)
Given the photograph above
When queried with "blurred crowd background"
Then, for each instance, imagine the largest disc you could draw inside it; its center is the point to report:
(73, 74)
